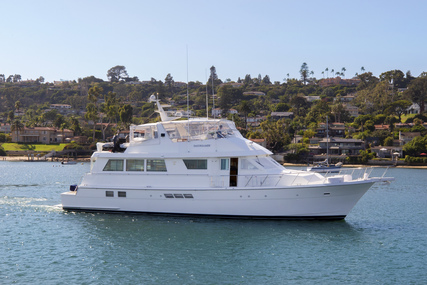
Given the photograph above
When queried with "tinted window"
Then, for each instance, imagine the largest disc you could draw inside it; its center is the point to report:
(156, 165)
(134, 165)
(196, 163)
(114, 165)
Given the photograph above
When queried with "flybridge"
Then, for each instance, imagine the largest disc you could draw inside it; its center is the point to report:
(180, 131)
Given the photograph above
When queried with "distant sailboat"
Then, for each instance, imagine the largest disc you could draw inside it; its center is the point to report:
(324, 166)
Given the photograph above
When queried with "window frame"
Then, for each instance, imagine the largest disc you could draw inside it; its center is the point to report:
(196, 164)
(156, 165)
(225, 164)
(115, 167)
(135, 167)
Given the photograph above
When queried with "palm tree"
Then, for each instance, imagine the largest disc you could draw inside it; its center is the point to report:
(332, 71)
(64, 125)
(17, 126)
(327, 72)
(10, 116)
(343, 71)
(92, 115)
(75, 126)
(323, 74)
(18, 105)
(362, 69)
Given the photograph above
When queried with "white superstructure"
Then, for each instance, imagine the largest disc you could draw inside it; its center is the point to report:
(206, 167)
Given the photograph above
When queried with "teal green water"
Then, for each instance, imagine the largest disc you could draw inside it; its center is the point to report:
(382, 241)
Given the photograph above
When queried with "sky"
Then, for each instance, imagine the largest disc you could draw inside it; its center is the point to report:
(67, 40)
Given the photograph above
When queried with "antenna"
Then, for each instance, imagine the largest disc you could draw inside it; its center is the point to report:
(207, 97)
(188, 102)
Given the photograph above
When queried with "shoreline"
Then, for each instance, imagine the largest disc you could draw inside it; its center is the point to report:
(87, 159)
(364, 165)
(26, 158)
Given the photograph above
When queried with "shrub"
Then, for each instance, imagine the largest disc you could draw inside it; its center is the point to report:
(73, 145)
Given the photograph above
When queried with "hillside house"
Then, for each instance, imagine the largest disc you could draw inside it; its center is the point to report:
(281, 115)
(335, 130)
(338, 147)
(44, 135)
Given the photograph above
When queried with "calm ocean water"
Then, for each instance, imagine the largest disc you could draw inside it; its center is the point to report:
(382, 241)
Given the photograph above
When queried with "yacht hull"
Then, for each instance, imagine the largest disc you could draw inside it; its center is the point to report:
(300, 202)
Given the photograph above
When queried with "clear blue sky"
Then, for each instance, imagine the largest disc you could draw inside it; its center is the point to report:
(72, 39)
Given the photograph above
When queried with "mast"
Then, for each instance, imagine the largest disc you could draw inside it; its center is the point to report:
(188, 102)
(207, 96)
(327, 141)
(213, 94)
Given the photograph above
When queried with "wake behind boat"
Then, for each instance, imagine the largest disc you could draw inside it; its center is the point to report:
(206, 167)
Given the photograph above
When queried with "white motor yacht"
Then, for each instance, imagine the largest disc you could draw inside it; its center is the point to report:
(206, 167)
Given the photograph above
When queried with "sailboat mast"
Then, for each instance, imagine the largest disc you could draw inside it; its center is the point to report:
(207, 96)
(188, 100)
(213, 95)
(327, 141)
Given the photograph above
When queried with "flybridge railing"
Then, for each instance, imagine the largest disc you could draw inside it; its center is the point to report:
(197, 130)
(179, 131)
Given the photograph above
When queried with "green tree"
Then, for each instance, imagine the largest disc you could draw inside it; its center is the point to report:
(304, 72)
(75, 126)
(213, 79)
(227, 97)
(50, 115)
(417, 91)
(340, 113)
(245, 108)
(388, 141)
(110, 109)
(94, 94)
(125, 113)
(16, 78)
(2, 151)
(10, 116)
(395, 77)
(117, 73)
(16, 127)
(63, 126)
(399, 107)
(92, 115)
(59, 120)
(18, 105)
(416, 146)
(169, 82)
(266, 80)
(299, 104)
(275, 134)
(318, 112)
(367, 80)
(282, 107)
(248, 79)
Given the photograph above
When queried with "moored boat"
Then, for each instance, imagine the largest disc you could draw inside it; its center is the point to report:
(325, 167)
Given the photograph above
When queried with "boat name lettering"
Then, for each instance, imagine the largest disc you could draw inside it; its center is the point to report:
(202, 145)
